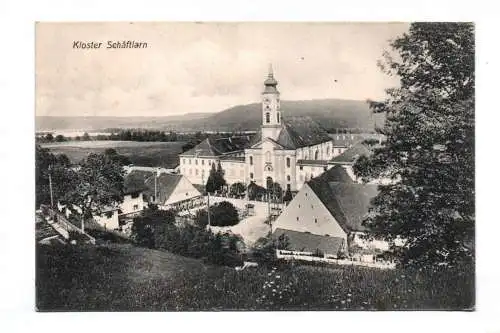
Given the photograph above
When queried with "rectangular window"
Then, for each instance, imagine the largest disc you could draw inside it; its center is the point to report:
(202, 162)
(288, 162)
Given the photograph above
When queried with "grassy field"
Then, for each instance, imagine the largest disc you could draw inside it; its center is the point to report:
(127, 278)
(140, 153)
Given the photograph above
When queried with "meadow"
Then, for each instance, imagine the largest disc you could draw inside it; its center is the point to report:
(123, 277)
(164, 154)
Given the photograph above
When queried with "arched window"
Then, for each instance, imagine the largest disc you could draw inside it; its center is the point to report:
(327, 150)
(251, 160)
(251, 175)
(316, 155)
(268, 156)
(268, 117)
(278, 117)
(288, 178)
(288, 162)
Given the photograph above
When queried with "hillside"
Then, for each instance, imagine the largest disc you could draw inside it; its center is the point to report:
(331, 113)
(128, 278)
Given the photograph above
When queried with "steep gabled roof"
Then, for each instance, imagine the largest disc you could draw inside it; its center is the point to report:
(351, 154)
(220, 146)
(335, 174)
(135, 181)
(298, 132)
(307, 242)
(165, 185)
(347, 202)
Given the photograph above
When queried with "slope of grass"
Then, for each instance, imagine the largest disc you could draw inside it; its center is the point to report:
(128, 278)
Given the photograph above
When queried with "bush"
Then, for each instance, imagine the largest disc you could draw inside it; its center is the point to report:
(223, 214)
(189, 240)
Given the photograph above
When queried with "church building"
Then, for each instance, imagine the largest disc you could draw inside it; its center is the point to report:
(286, 150)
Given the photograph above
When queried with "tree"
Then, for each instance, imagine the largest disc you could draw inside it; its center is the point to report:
(112, 154)
(429, 151)
(215, 181)
(49, 137)
(58, 167)
(98, 184)
(151, 229)
(223, 214)
(60, 138)
(85, 137)
(237, 189)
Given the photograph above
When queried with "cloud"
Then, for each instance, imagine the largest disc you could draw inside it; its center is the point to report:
(207, 67)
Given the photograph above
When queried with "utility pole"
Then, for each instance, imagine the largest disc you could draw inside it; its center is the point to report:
(208, 208)
(156, 187)
(50, 188)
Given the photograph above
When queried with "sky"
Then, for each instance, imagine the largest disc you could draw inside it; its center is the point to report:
(204, 67)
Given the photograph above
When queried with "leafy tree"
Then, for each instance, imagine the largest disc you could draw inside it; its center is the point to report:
(429, 151)
(85, 137)
(223, 214)
(49, 137)
(58, 166)
(201, 218)
(98, 184)
(151, 229)
(60, 138)
(112, 154)
(237, 188)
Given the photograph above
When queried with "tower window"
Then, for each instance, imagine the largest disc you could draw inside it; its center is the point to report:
(251, 160)
(288, 162)
(316, 154)
(278, 117)
(251, 175)
(268, 156)
(288, 178)
(268, 118)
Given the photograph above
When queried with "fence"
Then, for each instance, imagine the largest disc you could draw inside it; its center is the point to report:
(286, 255)
(63, 226)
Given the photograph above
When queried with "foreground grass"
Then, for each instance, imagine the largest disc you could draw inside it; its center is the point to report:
(128, 278)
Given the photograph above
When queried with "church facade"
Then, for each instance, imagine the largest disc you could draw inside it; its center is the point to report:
(286, 150)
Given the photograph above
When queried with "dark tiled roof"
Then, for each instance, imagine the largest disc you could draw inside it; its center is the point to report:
(298, 132)
(233, 158)
(307, 242)
(347, 202)
(335, 174)
(135, 181)
(165, 183)
(351, 154)
(221, 146)
(312, 162)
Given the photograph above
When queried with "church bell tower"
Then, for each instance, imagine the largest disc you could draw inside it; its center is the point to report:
(271, 112)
